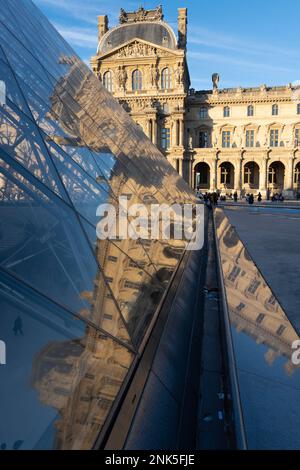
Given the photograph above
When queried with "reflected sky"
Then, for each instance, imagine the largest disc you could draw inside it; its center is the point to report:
(262, 338)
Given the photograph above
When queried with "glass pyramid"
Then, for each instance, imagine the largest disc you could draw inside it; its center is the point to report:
(74, 309)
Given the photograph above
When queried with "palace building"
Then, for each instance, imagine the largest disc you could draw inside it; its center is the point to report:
(237, 139)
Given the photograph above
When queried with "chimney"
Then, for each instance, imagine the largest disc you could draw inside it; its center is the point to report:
(182, 28)
(102, 26)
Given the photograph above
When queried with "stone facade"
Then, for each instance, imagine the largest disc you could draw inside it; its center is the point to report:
(243, 139)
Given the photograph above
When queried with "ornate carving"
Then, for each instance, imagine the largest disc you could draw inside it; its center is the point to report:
(179, 73)
(123, 16)
(153, 75)
(141, 15)
(122, 77)
(137, 49)
(215, 79)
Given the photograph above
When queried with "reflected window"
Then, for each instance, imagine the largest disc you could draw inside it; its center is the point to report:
(253, 286)
(137, 80)
(108, 81)
(280, 330)
(240, 307)
(260, 318)
(165, 79)
(234, 274)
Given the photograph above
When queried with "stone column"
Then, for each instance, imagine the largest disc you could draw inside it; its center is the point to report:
(213, 184)
(237, 175)
(289, 178)
(181, 131)
(217, 183)
(177, 132)
(289, 174)
(180, 166)
(263, 174)
(154, 130)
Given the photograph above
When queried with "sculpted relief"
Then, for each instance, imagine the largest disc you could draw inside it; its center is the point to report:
(122, 78)
(154, 76)
(140, 49)
(179, 74)
(137, 49)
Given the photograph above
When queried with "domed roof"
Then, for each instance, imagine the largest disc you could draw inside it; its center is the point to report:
(158, 33)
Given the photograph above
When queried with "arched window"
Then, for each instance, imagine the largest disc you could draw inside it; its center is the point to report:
(275, 110)
(165, 79)
(203, 112)
(108, 81)
(226, 111)
(298, 108)
(137, 80)
(250, 110)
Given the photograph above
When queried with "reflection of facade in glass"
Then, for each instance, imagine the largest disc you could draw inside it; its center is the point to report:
(74, 309)
(262, 338)
(253, 308)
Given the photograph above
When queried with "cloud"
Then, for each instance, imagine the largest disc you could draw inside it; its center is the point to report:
(210, 56)
(82, 37)
(208, 38)
(81, 10)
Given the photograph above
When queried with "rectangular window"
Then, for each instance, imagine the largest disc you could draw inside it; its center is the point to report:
(250, 110)
(250, 138)
(203, 139)
(165, 138)
(203, 112)
(226, 111)
(226, 139)
(274, 138)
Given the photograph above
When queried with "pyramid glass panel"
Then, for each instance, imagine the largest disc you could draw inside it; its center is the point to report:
(74, 309)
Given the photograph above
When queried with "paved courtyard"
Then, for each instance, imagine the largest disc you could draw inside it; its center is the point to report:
(272, 236)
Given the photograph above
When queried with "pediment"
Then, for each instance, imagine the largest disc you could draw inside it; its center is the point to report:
(136, 48)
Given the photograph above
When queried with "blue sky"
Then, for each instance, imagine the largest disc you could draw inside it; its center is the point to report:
(247, 42)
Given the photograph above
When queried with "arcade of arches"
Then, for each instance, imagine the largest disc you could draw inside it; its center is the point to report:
(230, 139)
(250, 177)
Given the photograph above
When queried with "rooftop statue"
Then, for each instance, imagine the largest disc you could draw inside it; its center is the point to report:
(141, 15)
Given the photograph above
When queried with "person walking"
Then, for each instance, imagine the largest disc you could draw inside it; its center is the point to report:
(251, 199)
(235, 196)
(259, 197)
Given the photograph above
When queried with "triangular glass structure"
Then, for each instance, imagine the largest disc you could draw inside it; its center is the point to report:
(74, 309)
